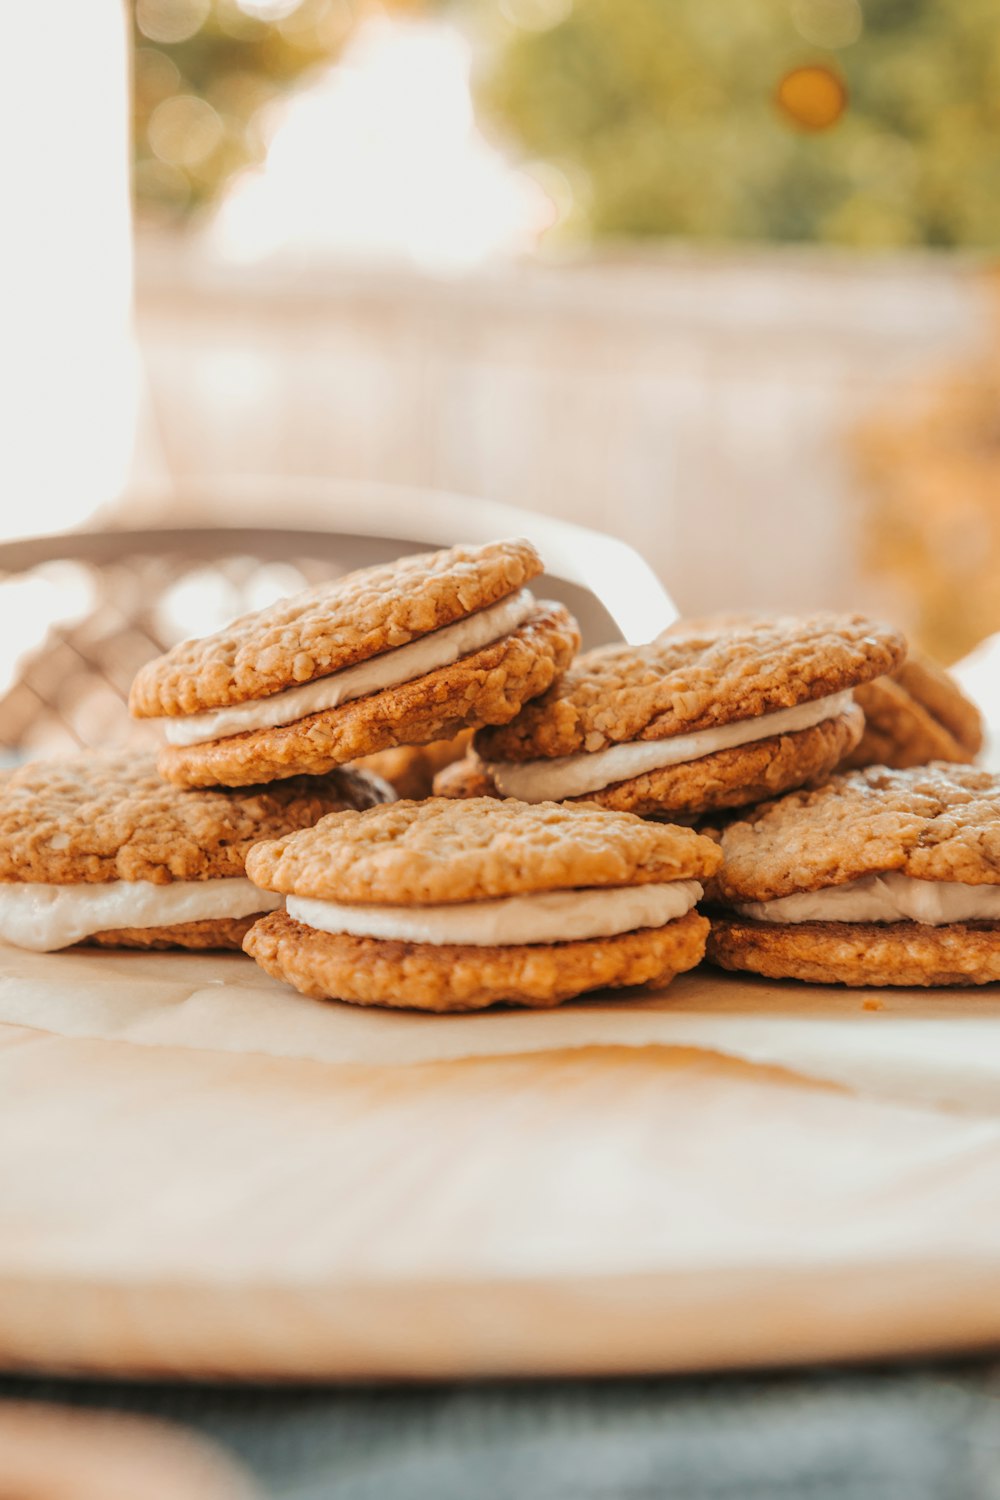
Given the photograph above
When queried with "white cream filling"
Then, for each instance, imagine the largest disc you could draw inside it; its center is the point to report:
(44, 917)
(541, 917)
(441, 648)
(883, 898)
(573, 775)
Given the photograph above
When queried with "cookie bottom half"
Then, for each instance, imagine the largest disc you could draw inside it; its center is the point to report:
(210, 932)
(730, 778)
(487, 687)
(859, 954)
(424, 976)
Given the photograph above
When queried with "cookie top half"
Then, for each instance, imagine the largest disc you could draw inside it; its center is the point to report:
(109, 816)
(439, 851)
(696, 678)
(936, 822)
(330, 627)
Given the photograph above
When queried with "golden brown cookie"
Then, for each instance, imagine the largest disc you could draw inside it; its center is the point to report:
(937, 822)
(487, 687)
(419, 976)
(882, 877)
(859, 954)
(917, 715)
(729, 778)
(221, 933)
(453, 905)
(404, 654)
(692, 681)
(410, 769)
(107, 815)
(427, 853)
(336, 625)
(939, 693)
(711, 715)
(108, 824)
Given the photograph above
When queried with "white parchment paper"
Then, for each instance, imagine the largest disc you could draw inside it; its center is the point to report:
(939, 1048)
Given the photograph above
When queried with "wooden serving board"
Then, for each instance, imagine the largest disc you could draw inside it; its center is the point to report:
(175, 1212)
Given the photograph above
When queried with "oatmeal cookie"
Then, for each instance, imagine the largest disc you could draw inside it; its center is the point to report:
(99, 848)
(336, 625)
(859, 954)
(917, 715)
(693, 681)
(419, 976)
(729, 778)
(438, 851)
(456, 905)
(937, 822)
(487, 687)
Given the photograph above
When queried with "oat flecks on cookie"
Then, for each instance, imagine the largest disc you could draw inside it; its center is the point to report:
(486, 687)
(441, 851)
(104, 816)
(694, 680)
(336, 625)
(937, 822)
(455, 978)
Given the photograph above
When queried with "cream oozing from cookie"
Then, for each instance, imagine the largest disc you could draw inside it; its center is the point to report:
(890, 897)
(440, 648)
(46, 917)
(575, 775)
(539, 917)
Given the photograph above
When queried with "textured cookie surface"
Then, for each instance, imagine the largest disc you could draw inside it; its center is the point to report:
(423, 976)
(729, 778)
(438, 851)
(859, 953)
(219, 932)
(330, 627)
(109, 816)
(918, 715)
(410, 769)
(694, 680)
(935, 688)
(937, 822)
(486, 687)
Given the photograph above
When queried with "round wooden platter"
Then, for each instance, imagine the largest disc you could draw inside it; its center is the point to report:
(170, 1212)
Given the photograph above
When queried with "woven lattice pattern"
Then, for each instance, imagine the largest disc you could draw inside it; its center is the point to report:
(74, 631)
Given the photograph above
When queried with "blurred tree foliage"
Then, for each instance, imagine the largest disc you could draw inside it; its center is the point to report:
(644, 117)
(663, 116)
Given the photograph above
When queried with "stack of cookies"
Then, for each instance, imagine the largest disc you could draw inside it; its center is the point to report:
(559, 851)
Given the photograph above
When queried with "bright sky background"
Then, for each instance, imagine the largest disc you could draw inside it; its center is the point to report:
(381, 159)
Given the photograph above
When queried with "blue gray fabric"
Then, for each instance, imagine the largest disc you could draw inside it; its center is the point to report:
(921, 1434)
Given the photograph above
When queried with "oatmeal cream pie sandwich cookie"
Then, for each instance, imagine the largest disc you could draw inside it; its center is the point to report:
(403, 654)
(710, 717)
(99, 848)
(917, 715)
(880, 877)
(454, 906)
